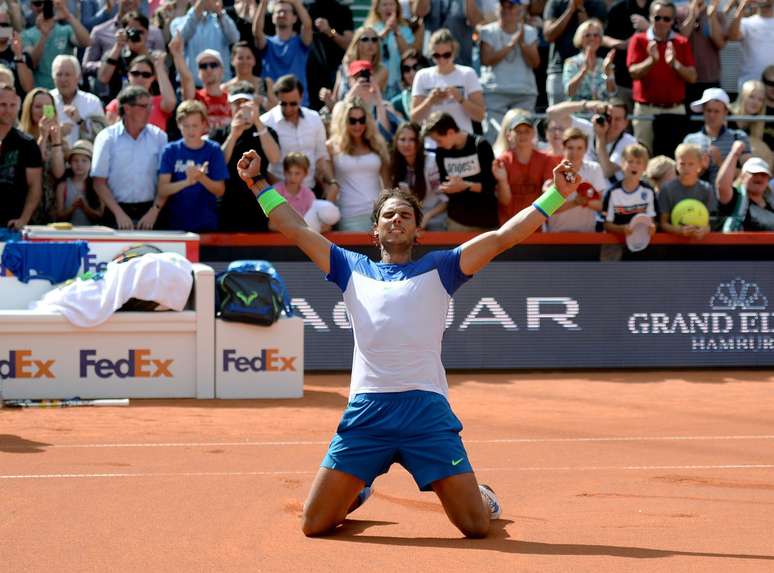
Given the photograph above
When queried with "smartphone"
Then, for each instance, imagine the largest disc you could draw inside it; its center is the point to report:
(48, 9)
(48, 111)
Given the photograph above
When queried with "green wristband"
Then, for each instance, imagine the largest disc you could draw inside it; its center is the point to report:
(269, 199)
(549, 201)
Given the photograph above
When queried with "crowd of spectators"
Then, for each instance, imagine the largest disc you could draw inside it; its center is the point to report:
(134, 113)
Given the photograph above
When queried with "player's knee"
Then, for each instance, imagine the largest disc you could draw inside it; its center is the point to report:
(474, 527)
(313, 525)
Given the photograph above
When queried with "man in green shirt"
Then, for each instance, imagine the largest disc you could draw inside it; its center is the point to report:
(50, 37)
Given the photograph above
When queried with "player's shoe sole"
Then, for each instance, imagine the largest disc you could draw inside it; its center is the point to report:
(491, 501)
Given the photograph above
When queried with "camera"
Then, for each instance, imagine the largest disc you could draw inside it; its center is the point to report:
(602, 119)
(133, 34)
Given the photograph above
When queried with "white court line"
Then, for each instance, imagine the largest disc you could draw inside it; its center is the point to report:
(315, 443)
(289, 472)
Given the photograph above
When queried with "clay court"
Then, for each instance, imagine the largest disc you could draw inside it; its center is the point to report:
(596, 471)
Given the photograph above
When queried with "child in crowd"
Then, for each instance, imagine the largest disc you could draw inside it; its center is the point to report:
(580, 212)
(661, 170)
(630, 196)
(192, 174)
(76, 200)
(319, 214)
(690, 164)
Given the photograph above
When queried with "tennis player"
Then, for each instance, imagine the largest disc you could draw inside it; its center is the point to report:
(398, 409)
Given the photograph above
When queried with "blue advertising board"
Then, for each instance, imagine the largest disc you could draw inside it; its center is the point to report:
(575, 315)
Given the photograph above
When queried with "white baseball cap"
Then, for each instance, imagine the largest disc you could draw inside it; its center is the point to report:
(756, 165)
(709, 95)
(639, 238)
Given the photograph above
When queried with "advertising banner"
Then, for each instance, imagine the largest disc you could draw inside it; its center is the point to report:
(575, 315)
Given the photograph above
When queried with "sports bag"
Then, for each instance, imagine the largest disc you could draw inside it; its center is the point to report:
(252, 292)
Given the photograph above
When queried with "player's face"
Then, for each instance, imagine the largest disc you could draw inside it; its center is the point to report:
(634, 166)
(397, 224)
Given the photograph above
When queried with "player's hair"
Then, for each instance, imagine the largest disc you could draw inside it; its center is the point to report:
(687, 149)
(295, 159)
(636, 151)
(397, 193)
(190, 107)
(574, 133)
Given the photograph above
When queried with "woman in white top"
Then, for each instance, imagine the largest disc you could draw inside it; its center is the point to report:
(417, 170)
(447, 86)
(360, 166)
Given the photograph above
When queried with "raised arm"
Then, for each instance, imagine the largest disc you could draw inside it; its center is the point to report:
(258, 23)
(724, 181)
(187, 86)
(283, 217)
(479, 251)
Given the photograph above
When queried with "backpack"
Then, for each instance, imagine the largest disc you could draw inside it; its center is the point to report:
(251, 292)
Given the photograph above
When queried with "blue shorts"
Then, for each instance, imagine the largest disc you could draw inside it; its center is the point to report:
(416, 429)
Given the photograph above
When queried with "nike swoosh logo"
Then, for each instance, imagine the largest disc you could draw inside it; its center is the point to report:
(457, 462)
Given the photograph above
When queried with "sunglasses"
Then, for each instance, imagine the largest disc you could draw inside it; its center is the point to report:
(372, 39)
(405, 68)
(357, 120)
(138, 73)
(288, 104)
(212, 65)
(666, 19)
(592, 35)
(768, 82)
(444, 56)
(5, 25)
(37, 2)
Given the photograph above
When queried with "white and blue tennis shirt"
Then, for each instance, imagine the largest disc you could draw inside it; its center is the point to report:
(398, 314)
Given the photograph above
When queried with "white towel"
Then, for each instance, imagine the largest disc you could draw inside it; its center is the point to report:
(165, 278)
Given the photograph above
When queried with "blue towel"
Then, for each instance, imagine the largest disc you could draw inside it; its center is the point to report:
(7, 235)
(55, 262)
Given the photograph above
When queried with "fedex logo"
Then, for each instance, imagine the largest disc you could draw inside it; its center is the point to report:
(138, 364)
(268, 360)
(20, 365)
(91, 263)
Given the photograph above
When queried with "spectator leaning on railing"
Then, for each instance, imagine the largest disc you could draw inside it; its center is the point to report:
(126, 162)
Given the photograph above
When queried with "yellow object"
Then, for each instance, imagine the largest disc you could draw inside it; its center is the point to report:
(690, 212)
(61, 226)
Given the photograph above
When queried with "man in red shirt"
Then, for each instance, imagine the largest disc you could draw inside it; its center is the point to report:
(521, 170)
(660, 62)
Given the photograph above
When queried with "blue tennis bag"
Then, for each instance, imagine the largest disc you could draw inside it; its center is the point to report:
(252, 292)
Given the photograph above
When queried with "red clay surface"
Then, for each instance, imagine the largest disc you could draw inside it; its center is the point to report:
(640, 471)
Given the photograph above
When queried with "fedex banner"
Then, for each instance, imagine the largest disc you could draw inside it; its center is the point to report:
(575, 315)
